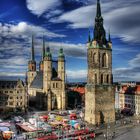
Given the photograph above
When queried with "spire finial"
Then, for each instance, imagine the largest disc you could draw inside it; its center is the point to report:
(98, 13)
(43, 49)
(32, 50)
(26, 79)
(109, 37)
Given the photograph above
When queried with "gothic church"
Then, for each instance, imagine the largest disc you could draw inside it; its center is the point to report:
(46, 87)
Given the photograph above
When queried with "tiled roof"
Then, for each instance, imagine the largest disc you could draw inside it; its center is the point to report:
(130, 89)
(138, 88)
(124, 88)
(81, 90)
(38, 81)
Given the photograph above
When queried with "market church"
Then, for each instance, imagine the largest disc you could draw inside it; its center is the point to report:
(46, 86)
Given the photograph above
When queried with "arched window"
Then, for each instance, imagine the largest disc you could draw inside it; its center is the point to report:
(101, 79)
(95, 78)
(94, 57)
(107, 79)
(53, 85)
(90, 54)
(104, 60)
(56, 85)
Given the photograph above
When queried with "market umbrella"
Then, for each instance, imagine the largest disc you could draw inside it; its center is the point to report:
(77, 126)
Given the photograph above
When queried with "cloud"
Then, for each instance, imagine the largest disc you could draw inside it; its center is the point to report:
(53, 13)
(125, 23)
(135, 61)
(26, 29)
(15, 46)
(11, 74)
(14, 60)
(71, 50)
(39, 7)
(15, 42)
(118, 16)
(77, 18)
(78, 75)
(131, 73)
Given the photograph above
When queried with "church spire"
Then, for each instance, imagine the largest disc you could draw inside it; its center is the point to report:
(89, 38)
(98, 12)
(43, 49)
(32, 62)
(32, 51)
(109, 37)
(99, 31)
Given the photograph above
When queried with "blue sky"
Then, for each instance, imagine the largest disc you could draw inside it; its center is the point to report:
(66, 23)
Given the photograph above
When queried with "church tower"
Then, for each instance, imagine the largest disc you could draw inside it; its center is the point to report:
(61, 75)
(99, 97)
(47, 76)
(31, 65)
(41, 65)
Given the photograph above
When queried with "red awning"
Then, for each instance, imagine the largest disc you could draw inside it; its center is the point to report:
(51, 137)
(45, 117)
(28, 128)
(73, 115)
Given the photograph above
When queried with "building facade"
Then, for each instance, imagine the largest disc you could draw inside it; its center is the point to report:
(46, 86)
(13, 95)
(99, 96)
(128, 97)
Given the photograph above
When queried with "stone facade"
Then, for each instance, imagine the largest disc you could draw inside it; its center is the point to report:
(13, 95)
(46, 87)
(99, 96)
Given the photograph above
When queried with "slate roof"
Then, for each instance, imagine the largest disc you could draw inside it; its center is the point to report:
(8, 84)
(38, 81)
(56, 79)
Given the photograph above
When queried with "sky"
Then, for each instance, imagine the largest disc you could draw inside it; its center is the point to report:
(66, 24)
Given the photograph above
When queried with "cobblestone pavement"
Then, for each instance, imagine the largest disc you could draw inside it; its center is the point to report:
(128, 132)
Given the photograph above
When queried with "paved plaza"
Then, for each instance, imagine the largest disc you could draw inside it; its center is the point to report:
(129, 134)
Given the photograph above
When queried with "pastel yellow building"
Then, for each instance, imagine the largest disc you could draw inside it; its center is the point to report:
(13, 95)
(46, 87)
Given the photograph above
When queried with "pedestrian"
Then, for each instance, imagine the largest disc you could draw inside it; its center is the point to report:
(104, 135)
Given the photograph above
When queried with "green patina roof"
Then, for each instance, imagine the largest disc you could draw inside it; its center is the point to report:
(61, 53)
(97, 46)
(48, 53)
(93, 46)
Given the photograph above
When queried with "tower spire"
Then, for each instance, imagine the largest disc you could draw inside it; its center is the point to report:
(43, 49)
(99, 31)
(109, 37)
(89, 38)
(32, 51)
(98, 12)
